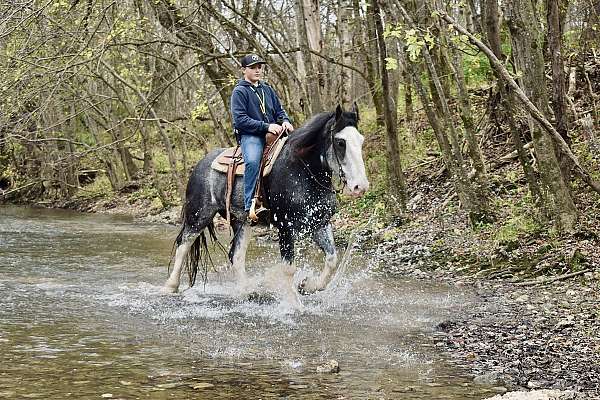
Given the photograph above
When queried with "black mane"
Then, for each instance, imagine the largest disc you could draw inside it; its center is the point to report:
(310, 135)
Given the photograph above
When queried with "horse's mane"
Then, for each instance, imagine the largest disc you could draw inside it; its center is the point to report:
(309, 135)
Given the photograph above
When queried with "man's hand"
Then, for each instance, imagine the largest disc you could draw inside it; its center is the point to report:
(275, 129)
(288, 126)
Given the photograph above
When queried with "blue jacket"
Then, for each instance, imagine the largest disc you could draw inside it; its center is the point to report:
(248, 118)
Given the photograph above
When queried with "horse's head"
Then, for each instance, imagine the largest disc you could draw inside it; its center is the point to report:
(346, 151)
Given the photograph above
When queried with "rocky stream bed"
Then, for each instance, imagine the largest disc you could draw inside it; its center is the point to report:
(528, 335)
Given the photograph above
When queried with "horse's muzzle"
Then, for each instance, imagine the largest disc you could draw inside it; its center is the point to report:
(357, 190)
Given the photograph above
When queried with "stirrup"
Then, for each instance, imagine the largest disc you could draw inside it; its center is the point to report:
(254, 212)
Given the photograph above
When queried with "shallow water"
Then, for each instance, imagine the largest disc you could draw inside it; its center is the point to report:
(80, 317)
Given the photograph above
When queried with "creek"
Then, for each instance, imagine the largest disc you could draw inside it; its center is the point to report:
(81, 317)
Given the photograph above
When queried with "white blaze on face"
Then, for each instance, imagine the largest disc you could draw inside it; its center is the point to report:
(353, 164)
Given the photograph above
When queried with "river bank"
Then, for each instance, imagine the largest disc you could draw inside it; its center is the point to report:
(537, 324)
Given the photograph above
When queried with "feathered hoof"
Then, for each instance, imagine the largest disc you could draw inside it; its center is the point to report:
(168, 290)
(307, 287)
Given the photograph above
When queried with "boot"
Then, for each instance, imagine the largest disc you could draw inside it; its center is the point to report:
(257, 211)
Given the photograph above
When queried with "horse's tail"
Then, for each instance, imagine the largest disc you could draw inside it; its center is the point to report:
(199, 254)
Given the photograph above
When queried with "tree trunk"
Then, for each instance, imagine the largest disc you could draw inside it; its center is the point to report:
(556, 8)
(308, 39)
(370, 54)
(396, 181)
(345, 39)
(476, 16)
(480, 178)
(408, 99)
(531, 108)
(458, 179)
(472, 201)
(508, 104)
(527, 42)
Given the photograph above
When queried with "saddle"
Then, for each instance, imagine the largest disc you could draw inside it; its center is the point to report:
(230, 162)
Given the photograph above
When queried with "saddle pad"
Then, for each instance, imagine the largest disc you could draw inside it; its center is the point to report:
(225, 158)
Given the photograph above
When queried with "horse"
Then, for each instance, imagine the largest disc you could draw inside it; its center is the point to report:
(299, 191)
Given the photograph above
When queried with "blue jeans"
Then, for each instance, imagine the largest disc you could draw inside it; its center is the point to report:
(252, 150)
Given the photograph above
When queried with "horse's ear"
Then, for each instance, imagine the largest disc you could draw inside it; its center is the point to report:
(338, 112)
(355, 111)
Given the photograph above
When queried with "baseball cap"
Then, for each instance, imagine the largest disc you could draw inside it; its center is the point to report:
(250, 60)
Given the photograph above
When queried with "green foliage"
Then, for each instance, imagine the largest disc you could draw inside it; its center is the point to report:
(393, 31)
(477, 69)
(519, 222)
(99, 188)
(146, 192)
(372, 203)
(515, 227)
(161, 163)
(200, 111)
(391, 63)
(415, 42)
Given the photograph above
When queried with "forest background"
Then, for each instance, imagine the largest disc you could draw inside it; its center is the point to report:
(480, 114)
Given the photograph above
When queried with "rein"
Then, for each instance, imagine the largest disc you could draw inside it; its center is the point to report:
(341, 173)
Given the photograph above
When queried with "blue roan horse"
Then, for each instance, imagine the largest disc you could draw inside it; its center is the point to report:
(299, 192)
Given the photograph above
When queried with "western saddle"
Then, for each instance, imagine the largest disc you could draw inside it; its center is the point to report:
(230, 161)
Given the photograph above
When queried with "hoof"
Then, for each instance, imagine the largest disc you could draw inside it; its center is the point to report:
(261, 298)
(168, 290)
(301, 288)
(307, 286)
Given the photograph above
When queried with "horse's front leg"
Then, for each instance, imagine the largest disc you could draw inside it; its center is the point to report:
(286, 247)
(323, 237)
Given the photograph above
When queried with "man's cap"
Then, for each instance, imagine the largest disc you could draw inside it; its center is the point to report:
(250, 60)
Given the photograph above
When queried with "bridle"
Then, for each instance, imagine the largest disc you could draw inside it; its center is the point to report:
(341, 173)
(323, 159)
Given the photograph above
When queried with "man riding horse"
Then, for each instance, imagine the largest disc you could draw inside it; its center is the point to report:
(298, 186)
(256, 111)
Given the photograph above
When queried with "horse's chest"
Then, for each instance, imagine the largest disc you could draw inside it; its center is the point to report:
(303, 212)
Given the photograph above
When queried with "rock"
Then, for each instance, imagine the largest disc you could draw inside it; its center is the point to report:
(170, 385)
(565, 323)
(293, 386)
(490, 379)
(330, 367)
(406, 389)
(169, 216)
(534, 384)
(522, 299)
(202, 385)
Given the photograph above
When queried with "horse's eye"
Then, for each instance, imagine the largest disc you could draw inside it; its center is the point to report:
(340, 143)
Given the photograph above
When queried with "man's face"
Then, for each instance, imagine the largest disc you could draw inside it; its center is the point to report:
(253, 73)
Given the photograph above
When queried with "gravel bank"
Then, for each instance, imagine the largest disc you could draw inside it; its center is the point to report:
(521, 337)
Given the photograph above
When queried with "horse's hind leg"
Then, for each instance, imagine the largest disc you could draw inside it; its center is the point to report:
(184, 243)
(237, 252)
(324, 239)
